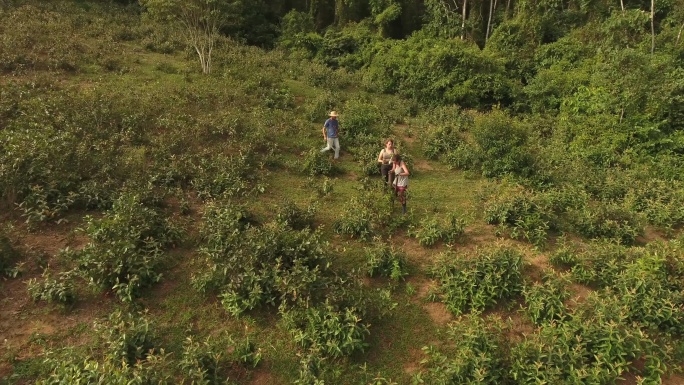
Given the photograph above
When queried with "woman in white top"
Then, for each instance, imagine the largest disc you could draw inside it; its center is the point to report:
(385, 160)
(401, 174)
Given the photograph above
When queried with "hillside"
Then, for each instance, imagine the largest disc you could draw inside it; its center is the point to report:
(163, 225)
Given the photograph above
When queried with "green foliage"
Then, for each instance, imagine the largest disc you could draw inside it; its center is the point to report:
(291, 215)
(384, 260)
(251, 266)
(475, 354)
(8, 253)
(601, 263)
(607, 221)
(208, 362)
(357, 218)
(502, 144)
(332, 332)
(476, 283)
(61, 289)
(318, 163)
(216, 176)
(594, 345)
(524, 214)
(126, 246)
(430, 230)
(445, 132)
(438, 71)
(546, 300)
(360, 117)
(128, 336)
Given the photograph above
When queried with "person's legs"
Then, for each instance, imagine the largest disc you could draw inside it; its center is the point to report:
(336, 146)
(328, 146)
(402, 198)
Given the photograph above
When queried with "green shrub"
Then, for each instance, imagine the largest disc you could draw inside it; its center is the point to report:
(522, 213)
(607, 221)
(317, 163)
(126, 246)
(502, 143)
(128, 336)
(291, 215)
(61, 289)
(430, 230)
(252, 266)
(474, 354)
(9, 255)
(478, 282)
(384, 260)
(359, 117)
(356, 220)
(334, 332)
(546, 300)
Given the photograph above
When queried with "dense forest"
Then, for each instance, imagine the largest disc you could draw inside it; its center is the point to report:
(167, 215)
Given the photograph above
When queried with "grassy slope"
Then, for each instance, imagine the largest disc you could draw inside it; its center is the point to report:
(177, 308)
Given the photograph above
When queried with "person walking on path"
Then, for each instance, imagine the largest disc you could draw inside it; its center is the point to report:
(331, 131)
(401, 174)
(385, 160)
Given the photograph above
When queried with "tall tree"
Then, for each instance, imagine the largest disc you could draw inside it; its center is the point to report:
(200, 21)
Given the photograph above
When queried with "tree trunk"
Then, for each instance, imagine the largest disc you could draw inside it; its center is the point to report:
(465, 3)
(679, 34)
(652, 26)
(622, 5)
(489, 19)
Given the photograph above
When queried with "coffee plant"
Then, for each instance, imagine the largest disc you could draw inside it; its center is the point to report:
(475, 354)
(126, 246)
(128, 336)
(317, 163)
(333, 332)
(255, 265)
(601, 263)
(546, 300)
(519, 212)
(293, 216)
(430, 230)
(476, 283)
(60, 289)
(384, 260)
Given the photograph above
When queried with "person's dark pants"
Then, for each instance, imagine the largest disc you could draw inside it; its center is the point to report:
(387, 176)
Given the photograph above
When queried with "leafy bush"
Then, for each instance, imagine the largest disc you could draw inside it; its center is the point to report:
(475, 354)
(293, 216)
(360, 117)
(430, 230)
(317, 163)
(8, 253)
(333, 332)
(601, 263)
(522, 213)
(251, 266)
(382, 259)
(218, 176)
(607, 221)
(478, 282)
(594, 345)
(60, 289)
(126, 246)
(546, 300)
(128, 336)
(502, 144)
(209, 361)
(356, 220)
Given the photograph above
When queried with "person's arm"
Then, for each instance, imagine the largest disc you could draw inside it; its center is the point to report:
(380, 160)
(325, 134)
(404, 169)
